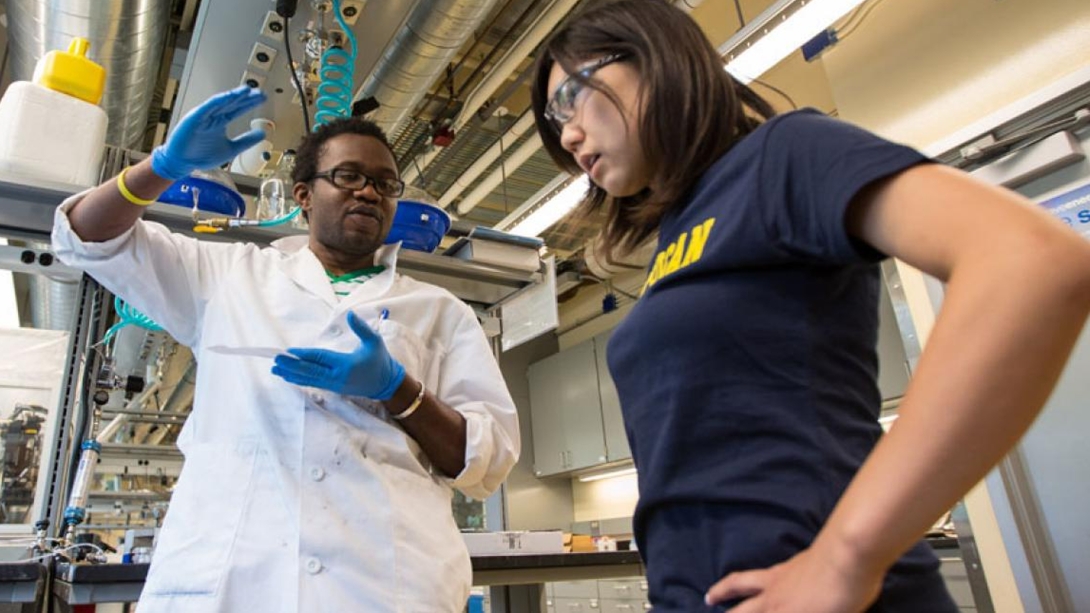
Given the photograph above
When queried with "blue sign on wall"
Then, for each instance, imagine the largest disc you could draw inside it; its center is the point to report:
(1073, 208)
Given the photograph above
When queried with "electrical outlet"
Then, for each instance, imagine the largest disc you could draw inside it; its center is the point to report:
(273, 27)
(351, 9)
(252, 79)
(262, 57)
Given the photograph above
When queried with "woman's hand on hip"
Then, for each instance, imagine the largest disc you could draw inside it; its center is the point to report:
(810, 581)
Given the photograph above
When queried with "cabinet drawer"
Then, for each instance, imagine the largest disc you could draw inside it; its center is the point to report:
(575, 589)
(623, 589)
(575, 605)
(624, 606)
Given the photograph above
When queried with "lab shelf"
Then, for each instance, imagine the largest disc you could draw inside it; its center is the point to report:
(27, 207)
(146, 452)
(137, 496)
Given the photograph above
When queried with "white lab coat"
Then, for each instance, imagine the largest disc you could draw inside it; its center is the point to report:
(296, 499)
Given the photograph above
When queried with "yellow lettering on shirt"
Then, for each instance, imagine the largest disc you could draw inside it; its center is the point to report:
(683, 252)
(696, 247)
(656, 271)
(675, 257)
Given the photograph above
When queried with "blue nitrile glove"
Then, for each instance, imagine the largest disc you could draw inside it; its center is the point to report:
(369, 371)
(199, 141)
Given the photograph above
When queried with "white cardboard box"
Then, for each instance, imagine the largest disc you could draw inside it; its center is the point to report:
(513, 543)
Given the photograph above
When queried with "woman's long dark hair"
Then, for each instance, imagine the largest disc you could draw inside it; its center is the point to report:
(694, 110)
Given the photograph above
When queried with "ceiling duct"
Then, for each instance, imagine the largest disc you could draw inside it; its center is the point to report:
(478, 98)
(52, 303)
(418, 55)
(127, 38)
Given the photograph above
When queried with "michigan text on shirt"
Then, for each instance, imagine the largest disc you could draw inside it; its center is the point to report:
(684, 251)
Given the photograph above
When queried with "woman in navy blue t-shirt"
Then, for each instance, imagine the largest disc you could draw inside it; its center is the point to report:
(747, 370)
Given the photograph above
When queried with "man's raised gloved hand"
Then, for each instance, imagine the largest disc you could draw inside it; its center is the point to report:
(199, 141)
(369, 371)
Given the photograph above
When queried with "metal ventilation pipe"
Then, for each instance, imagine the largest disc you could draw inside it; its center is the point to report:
(127, 38)
(418, 55)
(52, 303)
(518, 53)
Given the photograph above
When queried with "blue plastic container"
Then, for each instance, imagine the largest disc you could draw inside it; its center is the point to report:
(213, 197)
(418, 225)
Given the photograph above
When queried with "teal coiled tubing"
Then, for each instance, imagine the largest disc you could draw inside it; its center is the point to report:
(335, 88)
(128, 316)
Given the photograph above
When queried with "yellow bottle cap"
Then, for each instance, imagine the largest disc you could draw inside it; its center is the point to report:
(70, 72)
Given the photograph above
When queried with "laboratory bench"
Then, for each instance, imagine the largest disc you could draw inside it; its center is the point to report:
(625, 590)
(22, 585)
(76, 584)
(524, 583)
(543, 568)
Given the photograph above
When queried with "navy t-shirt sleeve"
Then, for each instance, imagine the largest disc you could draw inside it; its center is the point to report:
(811, 168)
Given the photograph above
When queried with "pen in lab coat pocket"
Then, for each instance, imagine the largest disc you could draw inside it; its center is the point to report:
(382, 316)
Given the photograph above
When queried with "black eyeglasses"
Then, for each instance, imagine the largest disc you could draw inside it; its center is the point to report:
(354, 180)
(561, 107)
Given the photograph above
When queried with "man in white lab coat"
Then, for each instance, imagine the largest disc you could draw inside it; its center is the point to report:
(323, 482)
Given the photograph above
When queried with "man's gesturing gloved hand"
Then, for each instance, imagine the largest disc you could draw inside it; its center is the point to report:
(369, 371)
(199, 141)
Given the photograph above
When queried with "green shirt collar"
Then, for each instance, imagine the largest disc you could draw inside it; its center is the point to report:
(348, 276)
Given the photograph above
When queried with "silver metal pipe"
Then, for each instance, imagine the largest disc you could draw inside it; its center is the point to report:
(418, 55)
(518, 53)
(51, 303)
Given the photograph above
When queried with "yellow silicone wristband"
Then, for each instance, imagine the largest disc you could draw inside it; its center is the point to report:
(131, 197)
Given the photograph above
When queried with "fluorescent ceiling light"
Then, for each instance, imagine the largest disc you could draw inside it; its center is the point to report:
(608, 474)
(778, 32)
(543, 216)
